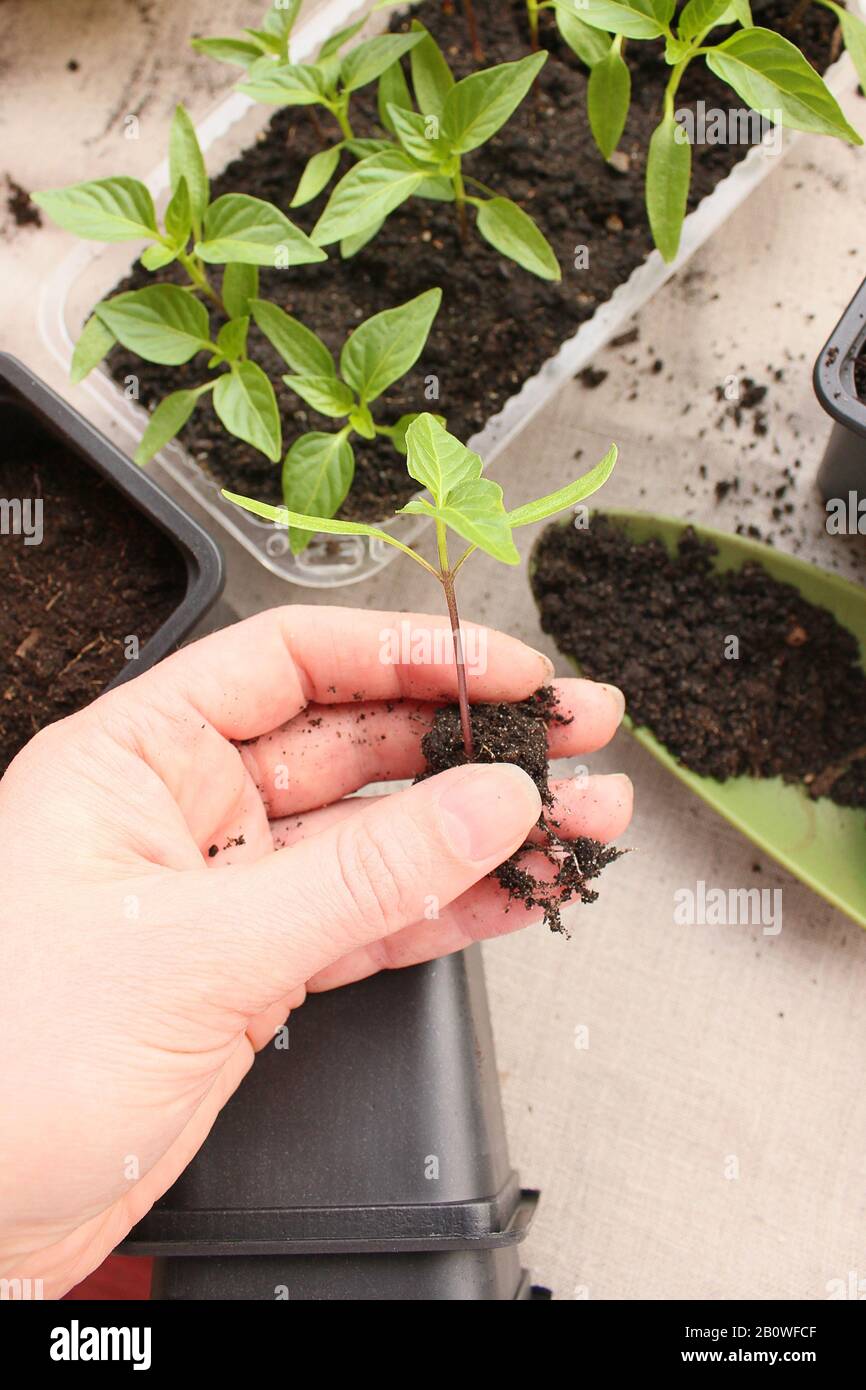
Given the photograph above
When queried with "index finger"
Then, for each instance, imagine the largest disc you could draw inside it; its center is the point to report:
(250, 678)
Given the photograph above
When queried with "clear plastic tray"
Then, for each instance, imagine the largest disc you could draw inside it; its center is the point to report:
(91, 270)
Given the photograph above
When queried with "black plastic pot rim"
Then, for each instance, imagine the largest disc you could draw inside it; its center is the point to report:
(833, 375)
(201, 554)
(377, 1230)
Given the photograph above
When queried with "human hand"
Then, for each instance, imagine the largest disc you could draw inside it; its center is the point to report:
(179, 869)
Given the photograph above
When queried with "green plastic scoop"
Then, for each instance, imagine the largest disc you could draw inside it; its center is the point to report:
(821, 843)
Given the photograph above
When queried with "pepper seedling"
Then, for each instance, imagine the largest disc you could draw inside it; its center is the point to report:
(457, 499)
(765, 70)
(581, 38)
(319, 467)
(169, 324)
(431, 135)
(328, 83)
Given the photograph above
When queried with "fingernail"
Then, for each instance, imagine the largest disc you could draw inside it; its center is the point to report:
(487, 810)
(548, 664)
(618, 698)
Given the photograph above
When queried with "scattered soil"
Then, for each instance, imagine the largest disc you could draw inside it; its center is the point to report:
(101, 573)
(792, 705)
(498, 324)
(517, 733)
(20, 205)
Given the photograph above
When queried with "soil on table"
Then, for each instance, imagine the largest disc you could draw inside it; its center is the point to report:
(517, 733)
(102, 573)
(498, 324)
(792, 705)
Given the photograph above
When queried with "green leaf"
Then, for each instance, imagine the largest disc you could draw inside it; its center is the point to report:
(438, 460)
(232, 338)
(162, 323)
(676, 50)
(439, 190)
(397, 432)
(414, 133)
(668, 173)
(317, 474)
(854, 35)
(118, 209)
(245, 402)
(155, 256)
(327, 394)
(383, 349)
(361, 420)
(240, 228)
(317, 175)
(698, 16)
(94, 341)
(476, 512)
(336, 41)
(589, 44)
(298, 346)
(178, 215)
(367, 194)
(242, 52)
(240, 285)
(634, 19)
(566, 496)
(167, 420)
(185, 161)
(742, 11)
(393, 90)
(284, 516)
(776, 80)
(280, 21)
(432, 78)
(608, 98)
(362, 149)
(351, 245)
(283, 84)
(369, 60)
(513, 232)
(476, 107)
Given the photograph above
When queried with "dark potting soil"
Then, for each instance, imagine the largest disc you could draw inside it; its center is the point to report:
(102, 573)
(498, 324)
(517, 733)
(860, 375)
(792, 705)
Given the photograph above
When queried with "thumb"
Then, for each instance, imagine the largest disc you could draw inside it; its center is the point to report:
(260, 930)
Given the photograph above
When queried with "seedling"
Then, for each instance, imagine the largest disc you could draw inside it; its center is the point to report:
(328, 83)
(270, 41)
(446, 121)
(457, 499)
(169, 324)
(319, 467)
(764, 69)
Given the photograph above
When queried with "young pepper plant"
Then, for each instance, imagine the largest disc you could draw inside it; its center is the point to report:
(328, 83)
(457, 499)
(764, 69)
(168, 323)
(270, 40)
(432, 134)
(319, 467)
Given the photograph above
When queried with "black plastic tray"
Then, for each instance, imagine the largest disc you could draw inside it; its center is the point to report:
(843, 468)
(201, 555)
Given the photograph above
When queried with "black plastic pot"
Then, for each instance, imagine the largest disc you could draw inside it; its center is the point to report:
(843, 468)
(368, 1160)
(20, 390)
